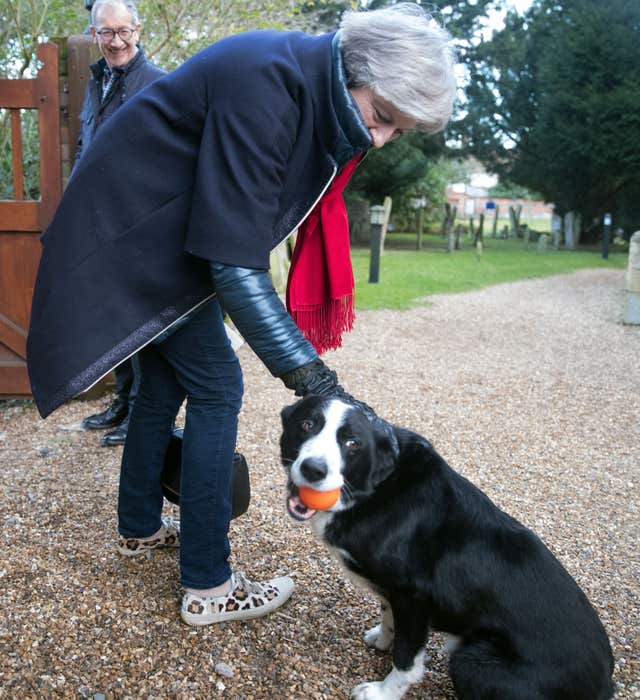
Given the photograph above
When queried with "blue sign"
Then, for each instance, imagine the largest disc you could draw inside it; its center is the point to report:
(490, 205)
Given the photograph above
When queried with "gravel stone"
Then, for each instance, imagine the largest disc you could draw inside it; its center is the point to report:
(223, 669)
(529, 389)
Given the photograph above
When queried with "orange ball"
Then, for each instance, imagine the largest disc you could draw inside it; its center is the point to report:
(318, 500)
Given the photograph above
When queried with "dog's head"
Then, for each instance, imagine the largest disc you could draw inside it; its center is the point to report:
(330, 444)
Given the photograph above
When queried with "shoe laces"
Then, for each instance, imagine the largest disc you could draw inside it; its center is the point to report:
(170, 523)
(241, 581)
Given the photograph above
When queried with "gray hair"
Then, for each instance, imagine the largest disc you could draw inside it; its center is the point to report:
(129, 5)
(405, 57)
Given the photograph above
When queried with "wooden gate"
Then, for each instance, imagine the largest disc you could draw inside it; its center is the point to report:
(22, 220)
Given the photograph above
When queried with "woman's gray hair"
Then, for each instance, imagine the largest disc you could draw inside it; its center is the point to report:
(129, 5)
(405, 57)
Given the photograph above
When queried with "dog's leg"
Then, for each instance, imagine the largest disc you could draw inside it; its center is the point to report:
(411, 626)
(395, 685)
(381, 636)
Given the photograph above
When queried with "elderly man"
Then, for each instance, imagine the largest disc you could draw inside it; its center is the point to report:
(122, 71)
(187, 189)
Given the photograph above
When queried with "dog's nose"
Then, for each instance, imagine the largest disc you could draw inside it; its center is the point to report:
(313, 469)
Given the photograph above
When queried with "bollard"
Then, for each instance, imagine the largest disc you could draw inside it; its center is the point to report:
(606, 236)
(631, 313)
(377, 219)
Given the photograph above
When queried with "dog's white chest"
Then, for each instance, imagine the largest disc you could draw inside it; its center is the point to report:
(319, 524)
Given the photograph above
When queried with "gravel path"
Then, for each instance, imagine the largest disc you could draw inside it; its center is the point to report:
(530, 389)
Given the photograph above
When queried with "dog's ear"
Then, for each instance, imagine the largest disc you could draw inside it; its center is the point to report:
(386, 450)
(413, 446)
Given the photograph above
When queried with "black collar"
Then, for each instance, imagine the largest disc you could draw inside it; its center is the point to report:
(354, 137)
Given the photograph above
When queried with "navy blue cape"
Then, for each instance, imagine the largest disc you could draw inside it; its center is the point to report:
(217, 161)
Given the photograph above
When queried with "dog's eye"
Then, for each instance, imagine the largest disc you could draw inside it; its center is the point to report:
(306, 425)
(352, 443)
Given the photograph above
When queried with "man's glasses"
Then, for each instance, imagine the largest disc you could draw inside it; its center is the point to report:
(125, 33)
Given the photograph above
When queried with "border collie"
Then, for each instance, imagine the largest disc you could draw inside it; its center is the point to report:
(440, 555)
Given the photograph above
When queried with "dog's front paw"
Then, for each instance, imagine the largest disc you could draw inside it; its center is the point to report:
(379, 637)
(369, 691)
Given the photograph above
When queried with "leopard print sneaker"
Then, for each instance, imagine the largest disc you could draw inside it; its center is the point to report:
(167, 536)
(246, 600)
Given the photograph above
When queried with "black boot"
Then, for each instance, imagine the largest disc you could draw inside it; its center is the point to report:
(117, 436)
(110, 418)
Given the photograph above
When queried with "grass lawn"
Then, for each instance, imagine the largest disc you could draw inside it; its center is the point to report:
(406, 274)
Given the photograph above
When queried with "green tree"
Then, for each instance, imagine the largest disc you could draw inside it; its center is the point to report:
(407, 164)
(554, 105)
(396, 167)
(512, 191)
(172, 31)
(25, 23)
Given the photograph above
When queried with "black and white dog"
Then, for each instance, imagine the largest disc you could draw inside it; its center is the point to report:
(441, 555)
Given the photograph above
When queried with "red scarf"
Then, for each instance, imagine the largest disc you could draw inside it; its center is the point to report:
(320, 285)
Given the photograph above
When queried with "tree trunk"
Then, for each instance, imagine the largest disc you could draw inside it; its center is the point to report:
(570, 222)
(385, 224)
(447, 226)
(556, 230)
(495, 222)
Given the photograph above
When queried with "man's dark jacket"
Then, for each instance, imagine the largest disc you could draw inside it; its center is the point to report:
(128, 80)
(217, 161)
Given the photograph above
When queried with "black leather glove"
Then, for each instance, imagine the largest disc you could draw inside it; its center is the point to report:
(313, 378)
(316, 378)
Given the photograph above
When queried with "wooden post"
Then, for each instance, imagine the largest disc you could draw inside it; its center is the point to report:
(459, 230)
(49, 130)
(420, 228)
(385, 224)
(82, 51)
(280, 262)
(445, 222)
(452, 212)
(514, 218)
(478, 239)
(495, 221)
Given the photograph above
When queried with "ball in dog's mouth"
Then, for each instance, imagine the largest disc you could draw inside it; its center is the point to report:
(297, 509)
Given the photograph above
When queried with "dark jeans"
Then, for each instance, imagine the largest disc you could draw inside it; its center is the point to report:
(128, 380)
(196, 363)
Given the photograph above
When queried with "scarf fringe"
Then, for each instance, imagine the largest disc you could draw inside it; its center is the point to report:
(324, 325)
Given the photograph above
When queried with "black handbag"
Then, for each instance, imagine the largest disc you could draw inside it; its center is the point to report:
(170, 478)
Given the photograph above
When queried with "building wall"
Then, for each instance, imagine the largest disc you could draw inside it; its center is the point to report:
(473, 204)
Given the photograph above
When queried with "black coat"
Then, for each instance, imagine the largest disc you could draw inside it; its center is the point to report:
(128, 81)
(217, 161)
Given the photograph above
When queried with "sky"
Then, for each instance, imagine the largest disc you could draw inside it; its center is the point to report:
(521, 5)
(495, 18)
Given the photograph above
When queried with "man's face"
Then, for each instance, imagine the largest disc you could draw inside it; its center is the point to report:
(117, 51)
(383, 120)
